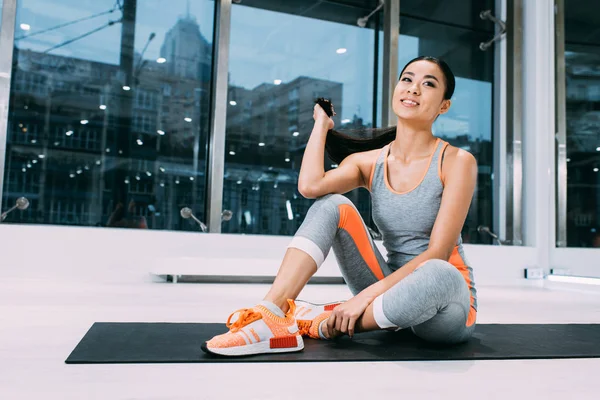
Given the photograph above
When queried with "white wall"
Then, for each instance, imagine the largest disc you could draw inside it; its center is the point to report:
(116, 255)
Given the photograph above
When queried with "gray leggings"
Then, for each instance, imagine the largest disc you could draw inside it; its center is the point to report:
(434, 300)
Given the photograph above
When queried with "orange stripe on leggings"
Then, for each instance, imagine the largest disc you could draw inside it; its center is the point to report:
(351, 222)
(458, 262)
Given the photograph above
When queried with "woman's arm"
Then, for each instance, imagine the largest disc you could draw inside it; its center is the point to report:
(313, 181)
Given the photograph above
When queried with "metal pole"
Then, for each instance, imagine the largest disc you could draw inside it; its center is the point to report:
(216, 148)
(514, 114)
(561, 126)
(7, 40)
(391, 31)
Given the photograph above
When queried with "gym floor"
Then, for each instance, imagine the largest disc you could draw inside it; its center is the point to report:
(42, 320)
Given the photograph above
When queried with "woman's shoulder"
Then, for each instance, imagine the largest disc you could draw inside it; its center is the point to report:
(369, 156)
(457, 160)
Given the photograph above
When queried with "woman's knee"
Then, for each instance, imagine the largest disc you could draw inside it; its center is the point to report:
(437, 268)
(334, 198)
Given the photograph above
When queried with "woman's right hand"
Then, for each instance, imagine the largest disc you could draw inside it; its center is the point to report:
(321, 117)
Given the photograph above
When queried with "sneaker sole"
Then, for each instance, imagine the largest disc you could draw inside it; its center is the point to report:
(255, 348)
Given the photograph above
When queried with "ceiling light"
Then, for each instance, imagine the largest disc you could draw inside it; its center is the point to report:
(161, 60)
(187, 119)
(295, 133)
(84, 122)
(160, 132)
(345, 121)
(341, 50)
(261, 144)
(232, 153)
(102, 106)
(25, 27)
(68, 133)
(233, 103)
(277, 81)
(139, 142)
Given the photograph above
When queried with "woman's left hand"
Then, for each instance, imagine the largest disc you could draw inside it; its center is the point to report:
(343, 318)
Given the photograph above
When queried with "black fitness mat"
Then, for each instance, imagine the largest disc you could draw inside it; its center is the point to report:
(180, 343)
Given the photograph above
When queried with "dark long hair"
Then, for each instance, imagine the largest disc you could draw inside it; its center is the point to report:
(340, 145)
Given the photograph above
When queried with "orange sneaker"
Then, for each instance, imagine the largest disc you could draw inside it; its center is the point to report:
(309, 316)
(257, 331)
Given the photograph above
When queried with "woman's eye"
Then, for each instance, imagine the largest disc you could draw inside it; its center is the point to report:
(405, 79)
(429, 84)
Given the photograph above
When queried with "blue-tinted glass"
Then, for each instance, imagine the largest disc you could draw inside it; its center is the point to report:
(279, 63)
(108, 116)
(582, 70)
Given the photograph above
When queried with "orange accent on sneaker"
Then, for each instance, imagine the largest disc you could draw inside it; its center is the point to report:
(246, 336)
(330, 307)
(304, 326)
(247, 316)
(253, 332)
(283, 342)
(310, 327)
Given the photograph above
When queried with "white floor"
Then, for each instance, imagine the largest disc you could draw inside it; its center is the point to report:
(42, 320)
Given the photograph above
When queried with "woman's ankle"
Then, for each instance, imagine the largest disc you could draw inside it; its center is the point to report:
(279, 301)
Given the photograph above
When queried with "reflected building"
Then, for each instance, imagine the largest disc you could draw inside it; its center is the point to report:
(83, 159)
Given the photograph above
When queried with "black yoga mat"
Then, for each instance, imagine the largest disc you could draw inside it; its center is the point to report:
(180, 343)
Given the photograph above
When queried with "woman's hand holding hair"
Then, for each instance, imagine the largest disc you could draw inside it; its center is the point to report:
(322, 119)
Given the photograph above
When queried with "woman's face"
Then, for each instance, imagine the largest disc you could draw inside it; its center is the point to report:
(419, 94)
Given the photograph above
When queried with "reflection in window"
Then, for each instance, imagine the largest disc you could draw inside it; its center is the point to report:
(582, 73)
(279, 64)
(108, 116)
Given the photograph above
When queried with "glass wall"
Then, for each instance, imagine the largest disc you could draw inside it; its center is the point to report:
(282, 57)
(109, 112)
(582, 84)
(452, 30)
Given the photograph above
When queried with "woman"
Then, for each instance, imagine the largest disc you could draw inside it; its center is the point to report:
(421, 190)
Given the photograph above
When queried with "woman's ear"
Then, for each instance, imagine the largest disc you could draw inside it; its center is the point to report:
(445, 106)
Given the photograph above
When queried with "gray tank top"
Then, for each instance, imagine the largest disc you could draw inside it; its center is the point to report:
(406, 219)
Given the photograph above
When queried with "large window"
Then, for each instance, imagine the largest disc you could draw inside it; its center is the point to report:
(582, 84)
(282, 57)
(452, 30)
(109, 112)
